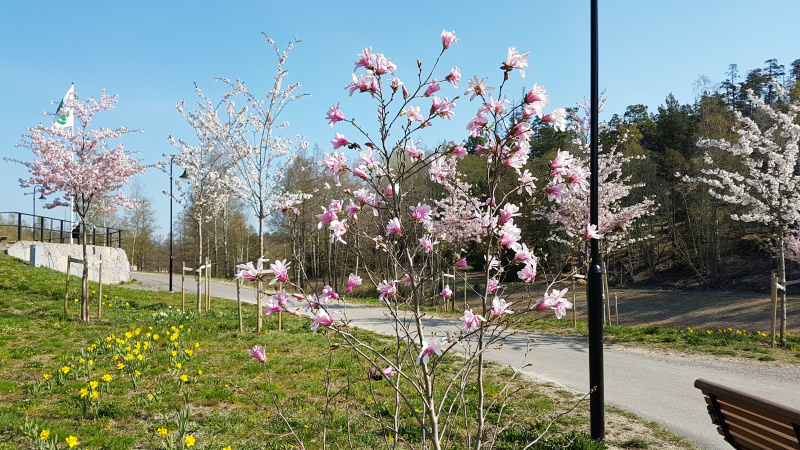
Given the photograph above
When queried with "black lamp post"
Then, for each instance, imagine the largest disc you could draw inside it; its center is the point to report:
(171, 182)
(33, 219)
(594, 288)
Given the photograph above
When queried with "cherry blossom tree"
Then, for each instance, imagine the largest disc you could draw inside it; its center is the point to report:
(78, 167)
(379, 215)
(769, 184)
(617, 215)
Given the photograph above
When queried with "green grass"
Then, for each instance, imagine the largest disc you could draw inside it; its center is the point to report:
(198, 365)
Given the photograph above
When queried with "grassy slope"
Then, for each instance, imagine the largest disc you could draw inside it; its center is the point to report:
(228, 393)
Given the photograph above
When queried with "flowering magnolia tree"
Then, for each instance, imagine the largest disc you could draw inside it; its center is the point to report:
(79, 167)
(770, 185)
(377, 215)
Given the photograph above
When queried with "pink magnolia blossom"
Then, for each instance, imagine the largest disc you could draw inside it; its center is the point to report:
(282, 298)
(281, 271)
(368, 158)
(558, 118)
(509, 210)
(396, 83)
(287, 205)
(478, 88)
(537, 94)
(326, 217)
(448, 38)
(591, 232)
(322, 318)
(414, 153)
(386, 290)
(526, 181)
(515, 60)
(334, 115)
(458, 150)
(476, 125)
(364, 83)
(339, 141)
(328, 294)
(383, 65)
(470, 320)
(523, 255)
(555, 192)
(333, 164)
(421, 212)
(338, 229)
(427, 243)
(432, 87)
(249, 271)
(454, 76)
(500, 307)
(394, 227)
(555, 301)
(272, 307)
(462, 263)
(442, 108)
(528, 273)
(258, 353)
(389, 371)
(352, 282)
(428, 350)
(361, 172)
(412, 113)
(492, 285)
(446, 292)
(365, 59)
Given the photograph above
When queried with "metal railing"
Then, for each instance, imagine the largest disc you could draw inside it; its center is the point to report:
(48, 229)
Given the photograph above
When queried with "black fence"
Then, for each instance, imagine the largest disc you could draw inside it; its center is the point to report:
(48, 229)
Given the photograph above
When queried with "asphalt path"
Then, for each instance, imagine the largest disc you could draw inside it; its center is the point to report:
(656, 386)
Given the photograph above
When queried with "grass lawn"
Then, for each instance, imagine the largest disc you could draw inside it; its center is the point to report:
(147, 376)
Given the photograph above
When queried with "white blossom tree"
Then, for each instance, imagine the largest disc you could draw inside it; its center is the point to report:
(208, 167)
(258, 150)
(770, 185)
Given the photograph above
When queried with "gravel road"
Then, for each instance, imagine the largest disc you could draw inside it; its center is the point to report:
(655, 386)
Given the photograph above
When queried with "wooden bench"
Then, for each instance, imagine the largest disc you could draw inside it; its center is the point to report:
(750, 422)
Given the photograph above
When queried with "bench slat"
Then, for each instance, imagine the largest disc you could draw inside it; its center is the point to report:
(757, 419)
(750, 422)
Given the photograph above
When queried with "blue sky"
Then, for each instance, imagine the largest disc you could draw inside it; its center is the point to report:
(150, 53)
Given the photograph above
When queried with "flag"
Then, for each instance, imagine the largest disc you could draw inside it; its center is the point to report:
(64, 115)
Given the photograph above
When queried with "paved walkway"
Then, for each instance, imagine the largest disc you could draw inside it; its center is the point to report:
(654, 386)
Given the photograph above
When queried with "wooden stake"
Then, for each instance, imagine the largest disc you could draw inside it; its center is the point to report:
(239, 304)
(260, 310)
(774, 283)
(66, 293)
(574, 306)
(100, 288)
(616, 309)
(208, 285)
(183, 287)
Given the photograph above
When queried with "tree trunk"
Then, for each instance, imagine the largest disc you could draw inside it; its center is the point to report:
(782, 275)
(199, 262)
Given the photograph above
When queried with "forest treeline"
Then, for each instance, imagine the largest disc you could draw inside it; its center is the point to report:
(687, 240)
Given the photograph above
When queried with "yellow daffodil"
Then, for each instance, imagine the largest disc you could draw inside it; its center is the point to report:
(94, 395)
(44, 435)
(174, 353)
(199, 372)
(179, 365)
(184, 378)
(93, 384)
(72, 441)
(65, 369)
(47, 376)
(120, 366)
(162, 431)
(106, 378)
(189, 352)
(84, 392)
(190, 441)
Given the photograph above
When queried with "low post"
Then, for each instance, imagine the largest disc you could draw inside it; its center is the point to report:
(774, 284)
(208, 285)
(66, 289)
(616, 310)
(574, 306)
(239, 303)
(183, 287)
(100, 287)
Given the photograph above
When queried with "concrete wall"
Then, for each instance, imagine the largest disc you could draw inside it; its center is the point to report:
(116, 268)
